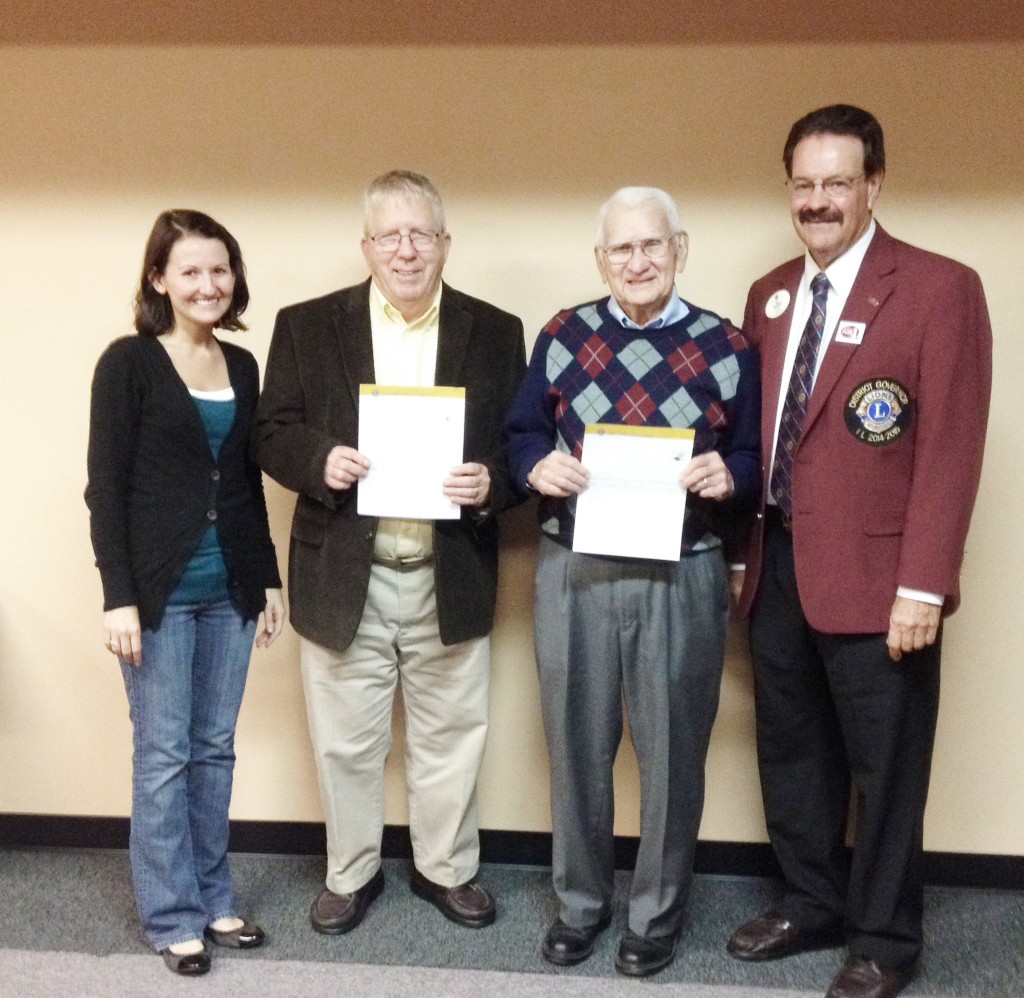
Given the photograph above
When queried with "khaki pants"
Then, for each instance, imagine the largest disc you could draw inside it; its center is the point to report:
(349, 697)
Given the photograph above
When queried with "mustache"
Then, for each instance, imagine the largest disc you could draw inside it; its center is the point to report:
(820, 215)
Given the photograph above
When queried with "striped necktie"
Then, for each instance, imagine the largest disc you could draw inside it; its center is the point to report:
(795, 407)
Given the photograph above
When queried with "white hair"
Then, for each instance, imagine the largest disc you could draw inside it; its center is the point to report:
(402, 183)
(636, 197)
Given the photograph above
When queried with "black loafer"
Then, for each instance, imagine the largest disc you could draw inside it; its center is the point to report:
(467, 904)
(187, 964)
(565, 945)
(642, 956)
(247, 936)
(334, 914)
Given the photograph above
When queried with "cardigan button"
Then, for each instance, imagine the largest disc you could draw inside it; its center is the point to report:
(211, 515)
(215, 475)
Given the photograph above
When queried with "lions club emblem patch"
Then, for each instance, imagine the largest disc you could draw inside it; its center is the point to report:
(878, 411)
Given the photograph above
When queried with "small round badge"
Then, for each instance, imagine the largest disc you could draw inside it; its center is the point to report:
(777, 304)
(878, 411)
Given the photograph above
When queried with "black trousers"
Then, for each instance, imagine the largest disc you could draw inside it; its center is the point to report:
(833, 710)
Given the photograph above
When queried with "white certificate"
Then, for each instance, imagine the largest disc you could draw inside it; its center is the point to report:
(413, 437)
(633, 505)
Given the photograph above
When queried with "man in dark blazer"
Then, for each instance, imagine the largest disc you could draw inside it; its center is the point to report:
(876, 381)
(377, 601)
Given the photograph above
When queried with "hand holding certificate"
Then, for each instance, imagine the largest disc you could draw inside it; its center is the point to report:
(633, 505)
(413, 438)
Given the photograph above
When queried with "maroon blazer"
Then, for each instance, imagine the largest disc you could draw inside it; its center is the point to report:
(887, 469)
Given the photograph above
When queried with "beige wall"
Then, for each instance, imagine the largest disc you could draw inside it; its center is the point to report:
(524, 143)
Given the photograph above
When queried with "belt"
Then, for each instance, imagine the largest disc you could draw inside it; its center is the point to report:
(404, 564)
(774, 517)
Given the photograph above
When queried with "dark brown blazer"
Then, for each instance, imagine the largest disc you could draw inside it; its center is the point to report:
(876, 506)
(320, 354)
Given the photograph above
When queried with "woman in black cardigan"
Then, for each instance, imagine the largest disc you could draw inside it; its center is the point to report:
(179, 528)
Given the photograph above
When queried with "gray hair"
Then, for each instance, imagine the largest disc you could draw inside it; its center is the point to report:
(636, 197)
(402, 183)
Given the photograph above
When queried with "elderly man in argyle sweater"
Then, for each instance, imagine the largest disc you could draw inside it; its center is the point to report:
(608, 629)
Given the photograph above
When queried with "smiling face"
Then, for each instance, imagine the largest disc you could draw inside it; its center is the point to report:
(826, 224)
(408, 277)
(198, 282)
(641, 285)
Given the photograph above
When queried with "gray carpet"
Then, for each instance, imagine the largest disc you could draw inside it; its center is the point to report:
(69, 927)
(35, 975)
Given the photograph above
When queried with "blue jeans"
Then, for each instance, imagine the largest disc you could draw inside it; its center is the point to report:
(184, 701)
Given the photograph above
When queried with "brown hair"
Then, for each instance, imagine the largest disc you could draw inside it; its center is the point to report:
(153, 312)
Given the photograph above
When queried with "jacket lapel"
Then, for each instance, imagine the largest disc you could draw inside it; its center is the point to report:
(454, 330)
(772, 345)
(351, 317)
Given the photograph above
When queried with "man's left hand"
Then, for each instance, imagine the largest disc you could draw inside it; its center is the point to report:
(912, 626)
(468, 485)
(708, 477)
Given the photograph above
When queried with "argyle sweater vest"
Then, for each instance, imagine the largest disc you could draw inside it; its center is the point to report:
(682, 375)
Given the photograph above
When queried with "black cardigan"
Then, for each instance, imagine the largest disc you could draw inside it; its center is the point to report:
(154, 486)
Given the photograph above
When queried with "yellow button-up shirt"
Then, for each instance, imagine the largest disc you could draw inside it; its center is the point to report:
(404, 353)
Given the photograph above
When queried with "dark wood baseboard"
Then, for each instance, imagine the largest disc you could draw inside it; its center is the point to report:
(305, 838)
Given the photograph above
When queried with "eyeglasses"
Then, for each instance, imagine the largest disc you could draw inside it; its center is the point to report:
(653, 249)
(801, 189)
(420, 239)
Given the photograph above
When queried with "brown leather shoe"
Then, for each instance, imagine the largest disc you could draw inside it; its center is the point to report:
(334, 914)
(468, 904)
(770, 937)
(864, 978)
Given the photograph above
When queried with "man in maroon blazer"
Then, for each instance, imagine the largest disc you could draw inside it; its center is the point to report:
(876, 380)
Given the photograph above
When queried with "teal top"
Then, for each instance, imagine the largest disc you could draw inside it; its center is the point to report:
(205, 577)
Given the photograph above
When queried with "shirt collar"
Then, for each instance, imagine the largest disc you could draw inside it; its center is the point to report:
(842, 272)
(675, 310)
(394, 315)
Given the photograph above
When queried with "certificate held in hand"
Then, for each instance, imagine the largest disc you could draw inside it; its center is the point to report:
(633, 505)
(413, 437)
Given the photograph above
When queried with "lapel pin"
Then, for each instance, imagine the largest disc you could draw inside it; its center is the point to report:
(850, 332)
(777, 304)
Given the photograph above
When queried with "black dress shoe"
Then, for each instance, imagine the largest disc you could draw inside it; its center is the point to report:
(334, 914)
(187, 964)
(864, 978)
(642, 956)
(247, 936)
(467, 904)
(564, 945)
(770, 936)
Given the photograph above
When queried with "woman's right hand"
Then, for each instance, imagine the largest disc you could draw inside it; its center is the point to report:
(123, 634)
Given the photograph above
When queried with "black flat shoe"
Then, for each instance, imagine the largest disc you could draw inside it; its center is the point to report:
(565, 946)
(187, 964)
(247, 936)
(642, 956)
